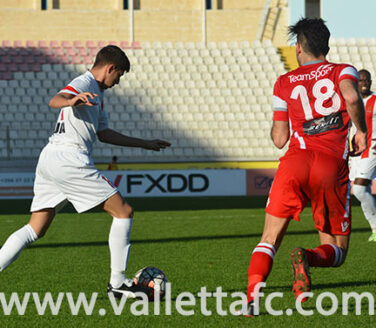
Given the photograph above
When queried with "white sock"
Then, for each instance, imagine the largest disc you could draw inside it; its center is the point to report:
(15, 243)
(119, 248)
(367, 202)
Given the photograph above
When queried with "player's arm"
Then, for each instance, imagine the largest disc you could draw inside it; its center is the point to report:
(280, 133)
(69, 100)
(355, 109)
(115, 138)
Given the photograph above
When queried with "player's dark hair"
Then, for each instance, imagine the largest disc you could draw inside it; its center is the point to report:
(365, 72)
(112, 55)
(312, 34)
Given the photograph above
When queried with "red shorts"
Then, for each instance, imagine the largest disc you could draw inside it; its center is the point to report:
(305, 175)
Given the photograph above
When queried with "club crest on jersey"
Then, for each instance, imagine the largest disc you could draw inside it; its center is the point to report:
(313, 75)
(323, 124)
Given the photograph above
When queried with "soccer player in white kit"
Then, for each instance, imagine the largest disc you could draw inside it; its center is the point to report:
(65, 171)
(363, 169)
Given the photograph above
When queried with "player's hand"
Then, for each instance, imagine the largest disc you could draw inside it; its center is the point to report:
(156, 145)
(359, 143)
(85, 98)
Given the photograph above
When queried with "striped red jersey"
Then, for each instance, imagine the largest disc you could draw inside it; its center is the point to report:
(369, 105)
(309, 98)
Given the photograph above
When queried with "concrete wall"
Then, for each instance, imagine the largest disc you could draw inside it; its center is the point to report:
(170, 5)
(64, 25)
(179, 20)
(243, 4)
(232, 25)
(172, 26)
(89, 4)
(20, 4)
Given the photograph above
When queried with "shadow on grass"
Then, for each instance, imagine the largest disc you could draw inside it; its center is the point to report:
(316, 287)
(22, 206)
(177, 239)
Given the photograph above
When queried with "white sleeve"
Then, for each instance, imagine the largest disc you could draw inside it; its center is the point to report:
(76, 86)
(350, 73)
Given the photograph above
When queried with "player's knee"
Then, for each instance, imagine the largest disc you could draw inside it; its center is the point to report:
(128, 211)
(359, 191)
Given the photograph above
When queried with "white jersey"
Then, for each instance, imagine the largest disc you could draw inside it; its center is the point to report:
(77, 127)
(364, 166)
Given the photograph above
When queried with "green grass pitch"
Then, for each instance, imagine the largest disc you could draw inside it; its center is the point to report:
(196, 247)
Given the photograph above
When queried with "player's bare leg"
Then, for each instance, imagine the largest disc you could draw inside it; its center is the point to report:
(119, 242)
(40, 221)
(16, 242)
(274, 230)
(263, 255)
(117, 207)
(362, 191)
(339, 240)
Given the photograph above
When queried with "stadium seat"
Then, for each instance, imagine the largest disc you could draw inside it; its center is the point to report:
(65, 44)
(136, 45)
(125, 45)
(352, 50)
(371, 41)
(17, 44)
(54, 44)
(42, 44)
(351, 42)
(341, 42)
(78, 44)
(194, 88)
(101, 43)
(90, 44)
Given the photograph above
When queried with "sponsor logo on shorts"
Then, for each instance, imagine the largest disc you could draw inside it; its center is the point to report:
(344, 226)
(323, 124)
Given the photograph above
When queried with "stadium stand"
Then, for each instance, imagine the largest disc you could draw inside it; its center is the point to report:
(212, 102)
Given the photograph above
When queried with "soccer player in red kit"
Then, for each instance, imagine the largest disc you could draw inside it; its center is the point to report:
(316, 103)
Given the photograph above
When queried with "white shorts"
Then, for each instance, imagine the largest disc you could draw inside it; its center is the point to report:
(64, 174)
(364, 168)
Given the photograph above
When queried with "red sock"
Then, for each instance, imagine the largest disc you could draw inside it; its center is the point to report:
(327, 255)
(260, 266)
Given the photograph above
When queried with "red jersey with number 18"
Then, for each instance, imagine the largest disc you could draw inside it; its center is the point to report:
(309, 98)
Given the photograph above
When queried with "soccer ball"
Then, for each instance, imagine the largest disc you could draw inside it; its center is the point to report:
(153, 279)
